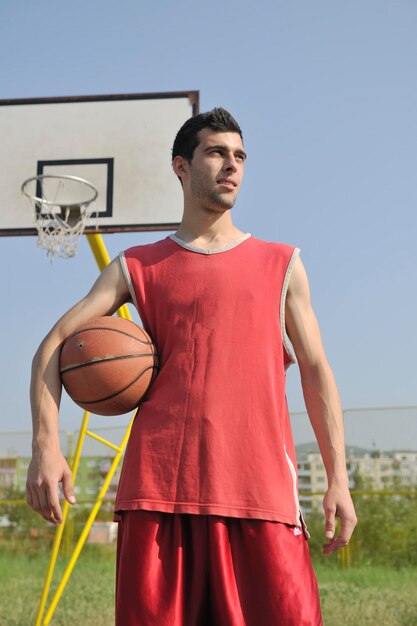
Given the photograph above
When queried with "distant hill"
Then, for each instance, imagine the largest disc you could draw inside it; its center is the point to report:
(312, 446)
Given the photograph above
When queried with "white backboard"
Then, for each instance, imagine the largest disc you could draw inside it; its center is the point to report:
(120, 143)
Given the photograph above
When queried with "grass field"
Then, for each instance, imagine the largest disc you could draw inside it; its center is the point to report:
(368, 596)
(359, 596)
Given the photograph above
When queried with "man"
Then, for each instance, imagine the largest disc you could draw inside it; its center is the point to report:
(210, 529)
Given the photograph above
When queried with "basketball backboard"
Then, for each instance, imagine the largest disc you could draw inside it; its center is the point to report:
(120, 143)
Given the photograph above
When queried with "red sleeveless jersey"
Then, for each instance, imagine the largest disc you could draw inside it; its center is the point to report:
(213, 435)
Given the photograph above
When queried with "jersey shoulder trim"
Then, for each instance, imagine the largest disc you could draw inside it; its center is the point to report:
(127, 277)
(285, 339)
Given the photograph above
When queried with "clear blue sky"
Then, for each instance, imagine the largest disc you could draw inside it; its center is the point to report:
(326, 96)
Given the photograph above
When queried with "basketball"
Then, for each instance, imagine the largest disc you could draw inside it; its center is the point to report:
(108, 365)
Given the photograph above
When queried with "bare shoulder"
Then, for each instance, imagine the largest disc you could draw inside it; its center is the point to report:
(110, 289)
(300, 320)
(111, 277)
(298, 288)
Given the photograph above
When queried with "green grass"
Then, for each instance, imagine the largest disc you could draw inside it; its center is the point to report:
(357, 596)
(368, 595)
(87, 600)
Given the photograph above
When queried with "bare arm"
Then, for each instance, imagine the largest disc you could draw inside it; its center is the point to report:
(48, 466)
(323, 406)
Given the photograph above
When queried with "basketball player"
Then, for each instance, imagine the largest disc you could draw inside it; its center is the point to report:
(210, 526)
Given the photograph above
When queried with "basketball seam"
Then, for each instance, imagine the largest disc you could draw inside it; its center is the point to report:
(69, 368)
(113, 395)
(115, 330)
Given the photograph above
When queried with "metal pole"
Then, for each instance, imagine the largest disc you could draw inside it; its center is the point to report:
(102, 258)
(60, 529)
(86, 530)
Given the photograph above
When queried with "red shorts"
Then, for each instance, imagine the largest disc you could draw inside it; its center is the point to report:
(208, 570)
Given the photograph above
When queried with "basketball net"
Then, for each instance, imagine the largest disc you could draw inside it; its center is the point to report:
(62, 207)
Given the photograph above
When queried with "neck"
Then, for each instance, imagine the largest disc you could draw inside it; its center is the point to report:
(208, 226)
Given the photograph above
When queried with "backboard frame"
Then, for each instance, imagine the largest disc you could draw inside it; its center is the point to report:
(193, 99)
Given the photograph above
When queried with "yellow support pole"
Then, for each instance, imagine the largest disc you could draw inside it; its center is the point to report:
(345, 556)
(102, 258)
(86, 529)
(66, 541)
(60, 529)
(101, 440)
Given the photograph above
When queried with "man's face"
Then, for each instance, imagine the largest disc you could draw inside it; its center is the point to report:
(216, 170)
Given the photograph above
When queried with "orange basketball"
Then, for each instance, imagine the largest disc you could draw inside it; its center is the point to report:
(108, 365)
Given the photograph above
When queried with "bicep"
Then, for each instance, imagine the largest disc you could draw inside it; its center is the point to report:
(301, 322)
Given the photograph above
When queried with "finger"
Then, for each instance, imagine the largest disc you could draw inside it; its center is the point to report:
(54, 505)
(330, 522)
(34, 499)
(342, 540)
(68, 487)
(333, 545)
(347, 525)
(37, 504)
(44, 503)
(29, 498)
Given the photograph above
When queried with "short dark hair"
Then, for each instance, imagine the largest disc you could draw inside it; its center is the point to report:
(218, 120)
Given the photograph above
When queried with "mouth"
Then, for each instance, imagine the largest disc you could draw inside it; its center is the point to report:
(227, 182)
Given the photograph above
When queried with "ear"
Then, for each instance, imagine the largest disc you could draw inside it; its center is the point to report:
(180, 167)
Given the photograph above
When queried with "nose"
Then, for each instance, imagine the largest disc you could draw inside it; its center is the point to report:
(231, 163)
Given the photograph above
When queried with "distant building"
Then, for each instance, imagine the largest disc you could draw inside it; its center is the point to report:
(92, 471)
(377, 470)
(13, 472)
(103, 532)
(405, 468)
(312, 477)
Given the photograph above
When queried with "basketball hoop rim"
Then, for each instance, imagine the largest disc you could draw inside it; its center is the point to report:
(65, 177)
